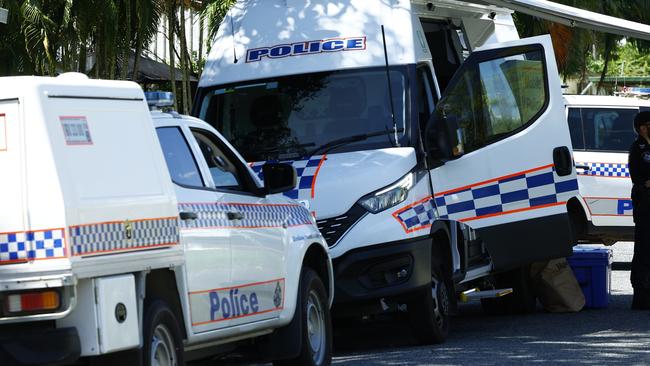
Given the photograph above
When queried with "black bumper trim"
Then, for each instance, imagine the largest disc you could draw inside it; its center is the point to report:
(369, 273)
(52, 347)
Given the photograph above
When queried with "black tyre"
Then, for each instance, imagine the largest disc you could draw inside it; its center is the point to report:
(521, 301)
(163, 342)
(316, 323)
(429, 313)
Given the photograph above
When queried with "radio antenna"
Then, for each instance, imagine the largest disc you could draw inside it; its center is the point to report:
(232, 31)
(390, 90)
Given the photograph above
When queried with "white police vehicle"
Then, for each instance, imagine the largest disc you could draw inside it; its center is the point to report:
(601, 134)
(429, 140)
(115, 251)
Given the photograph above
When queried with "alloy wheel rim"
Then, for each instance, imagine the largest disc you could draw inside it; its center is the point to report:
(162, 347)
(316, 327)
(440, 301)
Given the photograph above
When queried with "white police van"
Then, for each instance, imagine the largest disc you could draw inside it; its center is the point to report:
(116, 251)
(430, 141)
(601, 134)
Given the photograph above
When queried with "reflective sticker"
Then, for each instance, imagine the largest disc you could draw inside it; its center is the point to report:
(306, 48)
(3, 133)
(248, 300)
(75, 130)
(608, 206)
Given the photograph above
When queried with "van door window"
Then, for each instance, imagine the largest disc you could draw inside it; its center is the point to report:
(575, 128)
(496, 98)
(180, 161)
(608, 129)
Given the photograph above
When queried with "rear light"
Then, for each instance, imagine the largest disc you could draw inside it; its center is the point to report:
(32, 301)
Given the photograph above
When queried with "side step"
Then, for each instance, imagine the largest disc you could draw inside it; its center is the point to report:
(476, 294)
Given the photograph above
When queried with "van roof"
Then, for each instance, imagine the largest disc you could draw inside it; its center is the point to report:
(604, 101)
(68, 86)
(252, 25)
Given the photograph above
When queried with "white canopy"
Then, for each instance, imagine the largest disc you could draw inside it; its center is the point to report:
(575, 17)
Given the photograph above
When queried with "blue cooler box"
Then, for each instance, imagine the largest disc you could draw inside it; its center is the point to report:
(593, 268)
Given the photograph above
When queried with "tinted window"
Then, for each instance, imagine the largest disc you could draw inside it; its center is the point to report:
(180, 161)
(223, 171)
(496, 98)
(575, 128)
(288, 117)
(608, 129)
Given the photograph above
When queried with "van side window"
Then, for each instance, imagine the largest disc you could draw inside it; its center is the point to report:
(575, 128)
(608, 129)
(496, 98)
(223, 171)
(180, 161)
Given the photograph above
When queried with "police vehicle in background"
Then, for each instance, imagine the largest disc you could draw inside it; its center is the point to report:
(127, 239)
(430, 141)
(601, 134)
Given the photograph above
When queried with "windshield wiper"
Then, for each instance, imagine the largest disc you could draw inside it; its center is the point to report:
(350, 139)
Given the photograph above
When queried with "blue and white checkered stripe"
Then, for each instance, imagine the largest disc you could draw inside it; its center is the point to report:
(605, 170)
(527, 190)
(418, 216)
(108, 237)
(306, 171)
(254, 215)
(32, 245)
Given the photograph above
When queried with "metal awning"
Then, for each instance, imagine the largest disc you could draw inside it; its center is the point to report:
(575, 17)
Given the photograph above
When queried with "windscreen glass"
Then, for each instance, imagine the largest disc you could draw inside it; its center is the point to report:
(292, 117)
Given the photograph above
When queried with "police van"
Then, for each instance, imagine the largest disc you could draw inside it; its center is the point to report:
(601, 134)
(130, 241)
(430, 141)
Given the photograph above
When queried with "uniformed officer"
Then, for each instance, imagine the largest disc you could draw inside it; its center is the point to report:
(639, 163)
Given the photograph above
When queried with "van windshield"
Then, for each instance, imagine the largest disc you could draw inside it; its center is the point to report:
(291, 117)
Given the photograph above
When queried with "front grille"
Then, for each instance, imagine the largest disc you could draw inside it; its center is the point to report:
(333, 228)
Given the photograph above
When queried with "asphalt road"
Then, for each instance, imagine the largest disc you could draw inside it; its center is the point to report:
(616, 336)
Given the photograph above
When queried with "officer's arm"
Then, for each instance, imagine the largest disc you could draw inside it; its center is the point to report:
(634, 161)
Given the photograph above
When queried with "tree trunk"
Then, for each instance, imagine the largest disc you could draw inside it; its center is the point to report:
(170, 35)
(184, 59)
(126, 52)
(200, 55)
(610, 42)
(135, 75)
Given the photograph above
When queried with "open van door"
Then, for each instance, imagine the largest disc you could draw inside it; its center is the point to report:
(500, 149)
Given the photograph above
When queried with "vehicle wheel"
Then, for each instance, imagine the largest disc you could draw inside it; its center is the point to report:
(521, 301)
(163, 343)
(429, 313)
(316, 323)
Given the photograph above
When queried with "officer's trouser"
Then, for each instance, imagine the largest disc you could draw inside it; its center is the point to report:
(640, 276)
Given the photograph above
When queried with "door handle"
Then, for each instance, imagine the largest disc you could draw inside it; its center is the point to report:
(562, 160)
(234, 215)
(583, 167)
(188, 215)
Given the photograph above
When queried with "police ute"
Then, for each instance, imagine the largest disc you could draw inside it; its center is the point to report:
(429, 140)
(601, 134)
(133, 237)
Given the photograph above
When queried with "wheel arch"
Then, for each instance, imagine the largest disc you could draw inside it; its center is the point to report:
(160, 284)
(317, 258)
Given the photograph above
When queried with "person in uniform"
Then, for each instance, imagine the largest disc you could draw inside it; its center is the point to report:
(639, 164)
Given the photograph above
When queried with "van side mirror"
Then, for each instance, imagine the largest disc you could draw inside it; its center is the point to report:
(279, 177)
(443, 139)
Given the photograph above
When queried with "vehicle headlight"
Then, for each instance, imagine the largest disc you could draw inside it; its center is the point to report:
(389, 196)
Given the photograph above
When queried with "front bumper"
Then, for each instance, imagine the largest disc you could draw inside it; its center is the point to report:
(389, 270)
(38, 343)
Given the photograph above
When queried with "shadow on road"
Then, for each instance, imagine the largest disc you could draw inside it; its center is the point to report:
(616, 336)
